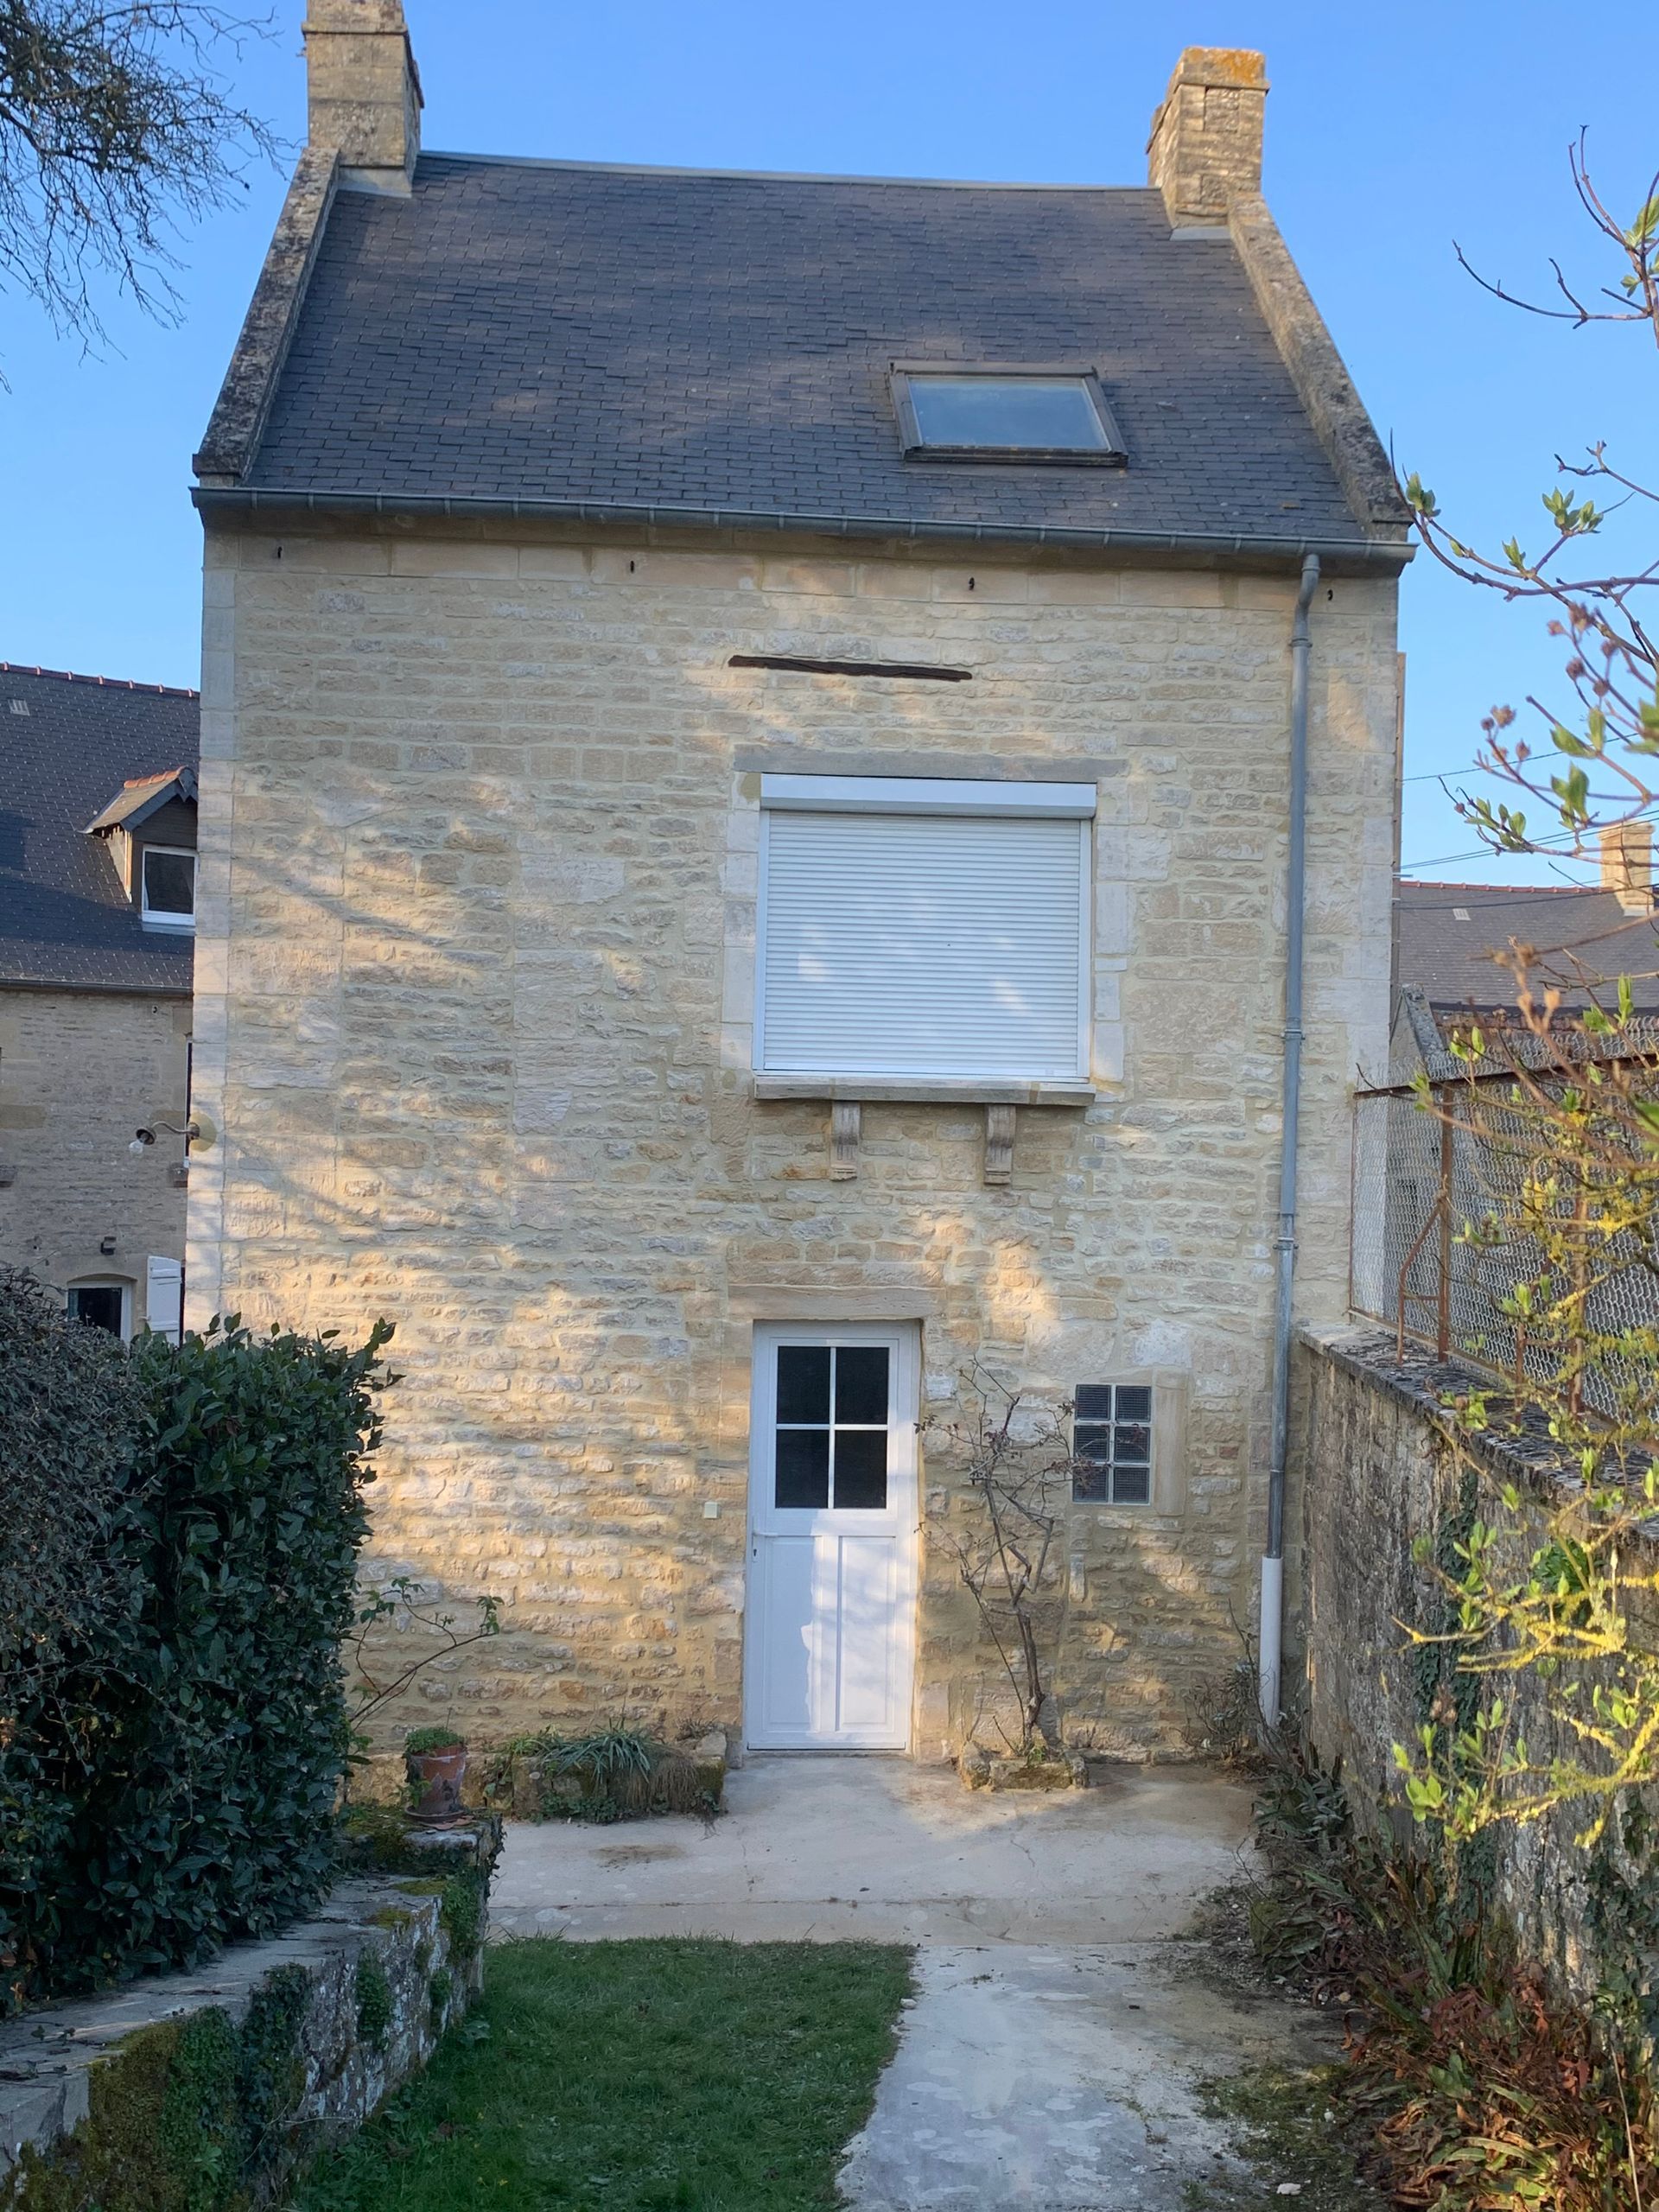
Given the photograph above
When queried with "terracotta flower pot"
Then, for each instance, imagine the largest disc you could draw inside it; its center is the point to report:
(434, 1785)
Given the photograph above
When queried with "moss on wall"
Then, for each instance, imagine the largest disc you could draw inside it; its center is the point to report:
(211, 2112)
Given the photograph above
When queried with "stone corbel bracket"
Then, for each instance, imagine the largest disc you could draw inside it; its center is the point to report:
(999, 1144)
(846, 1127)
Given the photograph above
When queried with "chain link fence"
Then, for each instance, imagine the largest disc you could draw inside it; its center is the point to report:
(1435, 1252)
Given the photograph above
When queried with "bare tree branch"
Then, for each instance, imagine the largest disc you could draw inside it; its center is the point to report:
(116, 124)
(1610, 730)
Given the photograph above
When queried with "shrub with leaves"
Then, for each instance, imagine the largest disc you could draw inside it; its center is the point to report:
(613, 1774)
(69, 1404)
(174, 1779)
(1484, 2090)
(69, 1408)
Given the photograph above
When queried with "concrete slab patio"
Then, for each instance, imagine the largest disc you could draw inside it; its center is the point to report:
(1061, 2023)
(819, 1848)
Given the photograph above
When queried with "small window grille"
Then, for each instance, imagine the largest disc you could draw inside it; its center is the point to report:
(1111, 1444)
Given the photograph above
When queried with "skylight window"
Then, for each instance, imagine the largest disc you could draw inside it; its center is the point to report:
(1003, 414)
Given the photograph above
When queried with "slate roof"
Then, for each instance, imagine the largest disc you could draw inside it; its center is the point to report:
(1451, 959)
(718, 342)
(64, 918)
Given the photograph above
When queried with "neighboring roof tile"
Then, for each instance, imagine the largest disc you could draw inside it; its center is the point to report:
(1451, 960)
(705, 341)
(64, 918)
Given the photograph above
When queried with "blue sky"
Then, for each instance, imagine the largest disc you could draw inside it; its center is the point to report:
(1391, 131)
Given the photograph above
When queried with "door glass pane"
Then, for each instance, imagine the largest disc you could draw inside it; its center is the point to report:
(861, 1469)
(861, 1383)
(804, 1382)
(803, 1467)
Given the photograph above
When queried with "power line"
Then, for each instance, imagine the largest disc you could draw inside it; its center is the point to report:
(1480, 852)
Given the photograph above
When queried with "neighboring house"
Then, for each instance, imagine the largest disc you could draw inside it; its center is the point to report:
(97, 838)
(746, 807)
(1454, 943)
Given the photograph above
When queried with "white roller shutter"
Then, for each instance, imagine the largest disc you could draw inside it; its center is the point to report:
(924, 945)
(164, 1298)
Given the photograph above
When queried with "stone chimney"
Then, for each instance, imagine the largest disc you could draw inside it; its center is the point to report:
(1205, 148)
(364, 91)
(1627, 865)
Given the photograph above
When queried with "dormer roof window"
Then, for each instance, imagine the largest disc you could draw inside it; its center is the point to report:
(150, 830)
(141, 796)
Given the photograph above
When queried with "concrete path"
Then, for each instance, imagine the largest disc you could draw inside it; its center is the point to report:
(1050, 2056)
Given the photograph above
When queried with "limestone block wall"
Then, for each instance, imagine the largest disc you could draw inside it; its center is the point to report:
(79, 1071)
(474, 981)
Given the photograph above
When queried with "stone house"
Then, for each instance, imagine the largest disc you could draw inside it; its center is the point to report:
(750, 845)
(97, 837)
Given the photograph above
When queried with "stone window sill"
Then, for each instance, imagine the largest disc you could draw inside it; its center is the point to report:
(923, 1090)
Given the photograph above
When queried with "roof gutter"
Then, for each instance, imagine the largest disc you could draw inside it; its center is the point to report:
(78, 986)
(1337, 554)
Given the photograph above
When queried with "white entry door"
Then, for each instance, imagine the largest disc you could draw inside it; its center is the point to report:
(832, 1538)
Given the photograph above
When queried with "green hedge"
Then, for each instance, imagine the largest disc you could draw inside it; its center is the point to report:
(169, 1766)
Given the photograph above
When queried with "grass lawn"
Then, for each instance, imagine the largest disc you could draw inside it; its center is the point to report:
(636, 2077)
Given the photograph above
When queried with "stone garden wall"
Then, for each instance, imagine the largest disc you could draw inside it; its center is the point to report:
(216, 2085)
(1381, 1473)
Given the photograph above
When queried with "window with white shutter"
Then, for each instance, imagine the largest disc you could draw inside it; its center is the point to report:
(924, 927)
(164, 1297)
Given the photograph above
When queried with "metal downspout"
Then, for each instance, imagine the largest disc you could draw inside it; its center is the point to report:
(1272, 1560)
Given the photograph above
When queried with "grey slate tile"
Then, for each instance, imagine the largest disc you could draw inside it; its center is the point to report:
(546, 330)
(1451, 959)
(64, 918)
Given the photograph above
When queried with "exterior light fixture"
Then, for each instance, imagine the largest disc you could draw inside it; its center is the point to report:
(197, 1131)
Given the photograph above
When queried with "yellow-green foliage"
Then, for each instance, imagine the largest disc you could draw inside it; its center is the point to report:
(1545, 1590)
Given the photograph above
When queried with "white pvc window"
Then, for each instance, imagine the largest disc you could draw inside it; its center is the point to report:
(924, 927)
(167, 880)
